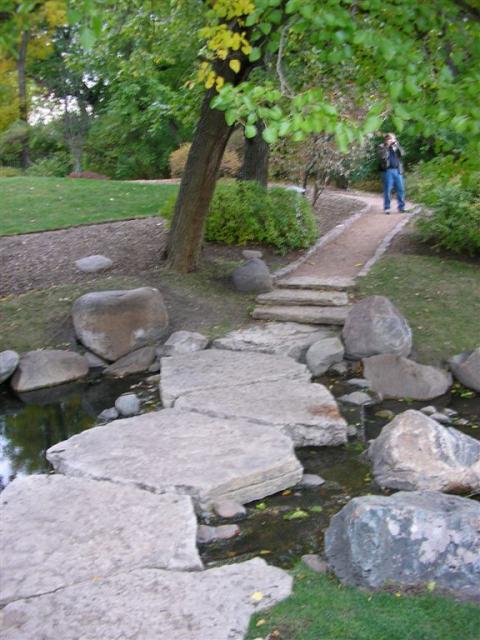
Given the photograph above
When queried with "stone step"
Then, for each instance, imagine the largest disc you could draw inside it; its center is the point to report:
(300, 297)
(303, 314)
(314, 282)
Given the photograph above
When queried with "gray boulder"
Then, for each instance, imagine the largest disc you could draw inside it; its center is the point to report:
(8, 363)
(92, 264)
(281, 338)
(107, 415)
(323, 353)
(409, 539)
(113, 323)
(396, 377)
(252, 277)
(415, 452)
(60, 531)
(171, 451)
(357, 398)
(47, 368)
(128, 405)
(148, 604)
(466, 368)
(229, 509)
(182, 342)
(134, 362)
(374, 326)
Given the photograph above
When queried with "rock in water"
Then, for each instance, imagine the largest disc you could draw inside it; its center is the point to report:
(47, 368)
(134, 362)
(323, 353)
(396, 377)
(8, 363)
(60, 531)
(252, 277)
(113, 323)
(175, 451)
(148, 604)
(128, 405)
(466, 368)
(415, 452)
(408, 539)
(374, 326)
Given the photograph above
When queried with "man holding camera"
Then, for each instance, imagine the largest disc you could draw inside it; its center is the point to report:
(390, 154)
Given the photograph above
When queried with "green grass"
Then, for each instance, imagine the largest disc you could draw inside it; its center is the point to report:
(439, 297)
(322, 609)
(41, 204)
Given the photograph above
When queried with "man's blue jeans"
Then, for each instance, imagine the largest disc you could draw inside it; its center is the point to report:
(393, 178)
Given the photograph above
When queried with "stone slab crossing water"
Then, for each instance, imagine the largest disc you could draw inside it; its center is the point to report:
(186, 453)
(151, 604)
(58, 531)
(306, 412)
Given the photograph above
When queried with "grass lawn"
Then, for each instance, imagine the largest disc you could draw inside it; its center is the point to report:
(42, 204)
(322, 609)
(439, 297)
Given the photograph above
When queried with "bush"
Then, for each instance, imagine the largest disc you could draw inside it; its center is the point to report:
(229, 167)
(244, 212)
(10, 172)
(57, 165)
(452, 193)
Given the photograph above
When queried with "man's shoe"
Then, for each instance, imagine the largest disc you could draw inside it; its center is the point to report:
(386, 212)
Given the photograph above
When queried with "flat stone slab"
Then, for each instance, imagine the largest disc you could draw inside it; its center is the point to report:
(92, 264)
(151, 604)
(187, 453)
(281, 338)
(216, 368)
(48, 368)
(305, 412)
(304, 297)
(311, 282)
(308, 314)
(58, 531)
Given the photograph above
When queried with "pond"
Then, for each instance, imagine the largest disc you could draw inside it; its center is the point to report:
(281, 527)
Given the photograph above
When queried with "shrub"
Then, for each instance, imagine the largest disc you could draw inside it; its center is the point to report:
(9, 172)
(57, 165)
(452, 193)
(244, 212)
(229, 167)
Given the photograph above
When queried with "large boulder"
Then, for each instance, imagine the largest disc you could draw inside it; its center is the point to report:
(152, 604)
(253, 276)
(113, 323)
(374, 325)
(408, 539)
(60, 531)
(305, 412)
(415, 452)
(47, 368)
(323, 353)
(397, 377)
(8, 363)
(174, 451)
(466, 368)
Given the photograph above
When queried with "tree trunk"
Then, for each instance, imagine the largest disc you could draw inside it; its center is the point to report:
(197, 187)
(22, 97)
(255, 158)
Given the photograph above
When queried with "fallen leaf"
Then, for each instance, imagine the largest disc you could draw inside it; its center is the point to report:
(257, 596)
(296, 515)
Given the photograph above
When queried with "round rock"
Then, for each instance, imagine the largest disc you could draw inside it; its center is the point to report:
(252, 277)
(466, 368)
(128, 405)
(323, 353)
(92, 264)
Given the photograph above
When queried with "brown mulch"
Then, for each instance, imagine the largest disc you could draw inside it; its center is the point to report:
(41, 260)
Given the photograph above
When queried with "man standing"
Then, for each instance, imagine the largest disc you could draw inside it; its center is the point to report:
(390, 154)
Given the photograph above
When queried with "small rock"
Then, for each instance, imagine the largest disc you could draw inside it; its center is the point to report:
(252, 277)
(91, 264)
(315, 563)
(154, 380)
(429, 410)
(466, 368)
(385, 413)
(134, 362)
(229, 509)
(359, 382)
(8, 363)
(440, 417)
(107, 415)
(450, 412)
(340, 368)
(358, 398)
(248, 254)
(352, 431)
(182, 342)
(207, 534)
(311, 480)
(226, 531)
(155, 367)
(94, 361)
(462, 422)
(128, 405)
(323, 353)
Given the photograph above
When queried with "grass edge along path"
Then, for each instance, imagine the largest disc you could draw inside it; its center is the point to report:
(323, 609)
(45, 204)
(440, 298)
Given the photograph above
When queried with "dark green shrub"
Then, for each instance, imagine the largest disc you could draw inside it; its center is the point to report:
(244, 212)
(57, 165)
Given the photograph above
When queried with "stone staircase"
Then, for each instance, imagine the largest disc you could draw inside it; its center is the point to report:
(306, 299)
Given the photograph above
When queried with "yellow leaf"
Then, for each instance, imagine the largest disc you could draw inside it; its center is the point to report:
(257, 596)
(234, 65)
(219, 83)
(261, 622)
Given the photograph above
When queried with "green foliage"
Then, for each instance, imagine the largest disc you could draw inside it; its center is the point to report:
(229, 166)
(58, 165)
(452, 194)
(244, 212)
(9, 172)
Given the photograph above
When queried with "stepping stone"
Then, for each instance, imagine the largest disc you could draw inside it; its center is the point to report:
(92, 264)
(281, 338)
(60, 531)
(48, 368)
(310, 315)
(313, 282)
(305, 412)
(213, 369)
(171, 451)
(304, 297)
(148, 604)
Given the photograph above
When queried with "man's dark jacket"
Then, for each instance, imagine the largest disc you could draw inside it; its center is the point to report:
(384, 156)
